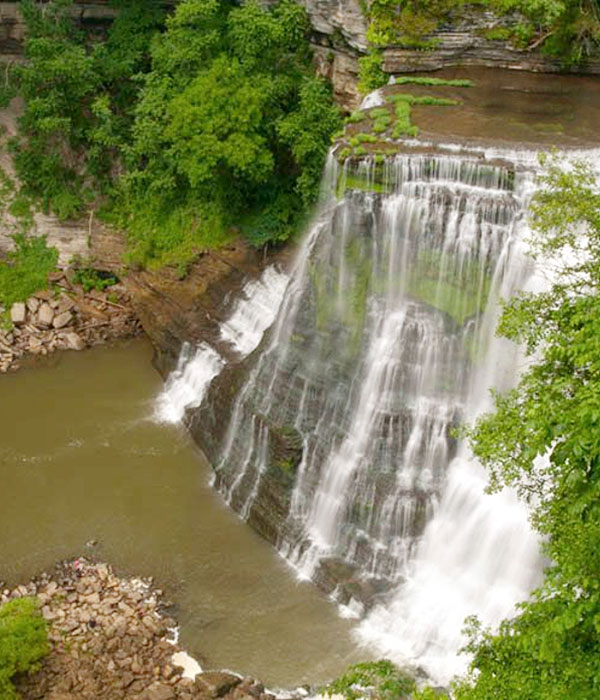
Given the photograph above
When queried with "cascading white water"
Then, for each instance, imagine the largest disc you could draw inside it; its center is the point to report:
(186, 385)
(478, 555)
(340, 441)
(253, 313)
(385, 344)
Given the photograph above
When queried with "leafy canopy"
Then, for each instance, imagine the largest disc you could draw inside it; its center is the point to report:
(78, 100)
(544, 440)
(187, 127)
(231, 129)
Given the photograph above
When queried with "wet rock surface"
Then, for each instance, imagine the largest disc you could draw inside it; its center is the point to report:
(65, 318)
(110, 639)
(173, 310)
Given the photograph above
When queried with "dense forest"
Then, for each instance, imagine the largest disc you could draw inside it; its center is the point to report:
(183, 129)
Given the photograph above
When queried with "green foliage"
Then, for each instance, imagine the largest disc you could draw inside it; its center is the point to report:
(232, 128)
(78, 100)
(380, 680)
(405, 24)
(453, 285)
(569, 29)
(418, 80)
(429, 693)
(355, 117)
(403, 125)
(422, 99)
(23, 641)
(182, 136)
(90, 278)
(370, 72)
(544, 440)
(26, 269)
(365, 137)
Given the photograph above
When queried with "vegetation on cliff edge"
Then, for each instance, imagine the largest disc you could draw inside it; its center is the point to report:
(544, 440)
(565, 29)
(183, 129)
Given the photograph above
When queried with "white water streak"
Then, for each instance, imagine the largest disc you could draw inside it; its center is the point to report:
(187, 384)
(255, 311)
(252, 315)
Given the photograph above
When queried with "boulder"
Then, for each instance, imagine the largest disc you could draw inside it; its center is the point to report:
(74, 341)
(33, 304)
(62, 320)
(216, 684)
(45, 315)
(159, 691)
(18, 313)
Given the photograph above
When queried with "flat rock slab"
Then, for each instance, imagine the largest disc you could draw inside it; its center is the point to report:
(62, 320)
(159, 691)
(18, 313)
(45, 315)
(216, 684)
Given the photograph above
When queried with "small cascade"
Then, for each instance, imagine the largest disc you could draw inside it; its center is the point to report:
(342, 437)
(186, 385)
(255, 311)
(251, 316)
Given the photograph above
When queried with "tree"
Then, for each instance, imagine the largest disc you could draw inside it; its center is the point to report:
(544, 440)
(78, 100)
(231, 130)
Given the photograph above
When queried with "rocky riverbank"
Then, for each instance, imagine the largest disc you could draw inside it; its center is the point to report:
(111, 640)
(66, 317)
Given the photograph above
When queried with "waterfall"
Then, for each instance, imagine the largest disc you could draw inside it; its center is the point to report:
(383, 345)
(339, 442)
(253, 313)
(186, 385)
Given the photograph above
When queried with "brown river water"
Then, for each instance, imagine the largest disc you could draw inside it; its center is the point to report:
(81, 459)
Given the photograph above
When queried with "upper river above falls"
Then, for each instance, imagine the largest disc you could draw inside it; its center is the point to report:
(82, 459)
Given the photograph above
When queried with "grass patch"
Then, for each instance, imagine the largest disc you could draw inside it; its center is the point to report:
(379, 113)
(423, 99)
(364, 137)
(415, 80)
(355, 117)
(404, 125)
(380, 126)
(26, 269)
(354, 182)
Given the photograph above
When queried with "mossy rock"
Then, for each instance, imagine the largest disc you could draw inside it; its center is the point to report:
(285, 453)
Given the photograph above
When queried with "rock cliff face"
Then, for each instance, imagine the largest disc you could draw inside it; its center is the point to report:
(340, 28)
(462, 42)
(173, 311)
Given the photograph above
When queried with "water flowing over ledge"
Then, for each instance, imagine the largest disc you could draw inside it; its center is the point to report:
(340, 440)
(253, 313)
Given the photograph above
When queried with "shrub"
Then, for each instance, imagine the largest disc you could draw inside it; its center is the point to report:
(380, 680)
(371, 73)
(23, 642)
(90, 278)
